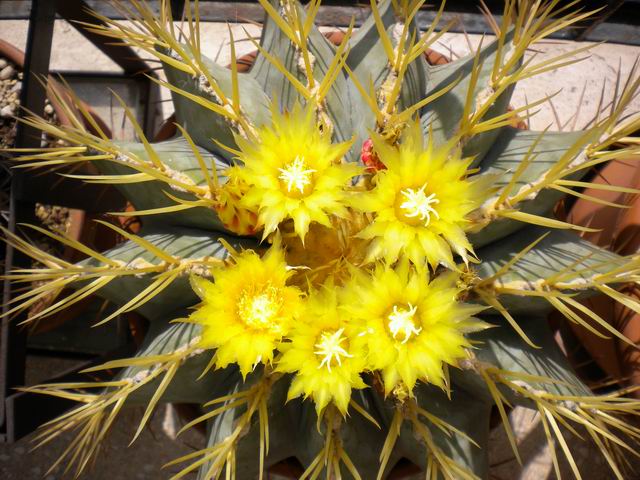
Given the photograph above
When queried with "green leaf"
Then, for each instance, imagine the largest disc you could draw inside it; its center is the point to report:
(203, 124)
(340, 105)
(186, 386)
(339, 100)
(463, 411)
(503, 348)
(559, 251)
(177, 155)
(370, 64)
(273, 82)
(469, 415)
(443, 115)
(177, 242)
(367, 58)
(504, 158)
(283, 421)
(361, 439)
(414, 84)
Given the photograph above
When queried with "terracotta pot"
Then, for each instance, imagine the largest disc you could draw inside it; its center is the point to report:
(619, 231)
(82, 226)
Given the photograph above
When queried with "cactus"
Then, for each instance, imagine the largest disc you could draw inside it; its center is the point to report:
(347, 254)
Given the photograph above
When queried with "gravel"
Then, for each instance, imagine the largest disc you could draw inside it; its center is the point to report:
(7, 72)
(10, 86)
(7, 111)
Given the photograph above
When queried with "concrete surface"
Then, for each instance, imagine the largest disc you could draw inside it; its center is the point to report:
(598, 68)
(156, 446)
(141, 461)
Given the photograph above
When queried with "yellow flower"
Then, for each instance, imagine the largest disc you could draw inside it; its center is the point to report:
(294, 172)
(420, 203)
(327, 252)
(248, 309)
(413, 327)
(325, 352)
(233, 216)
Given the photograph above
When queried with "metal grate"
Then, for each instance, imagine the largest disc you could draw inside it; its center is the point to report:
(22, 412)
(618, 22)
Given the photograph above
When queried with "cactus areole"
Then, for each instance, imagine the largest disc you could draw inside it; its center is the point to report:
(347, 254)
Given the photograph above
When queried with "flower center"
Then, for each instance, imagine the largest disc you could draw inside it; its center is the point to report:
(330, 348)
(415, 207)
(401, 322)
(260, 311)
(297, 178)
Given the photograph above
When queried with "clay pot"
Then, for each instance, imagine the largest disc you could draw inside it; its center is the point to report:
(81, 225)
(619, 231)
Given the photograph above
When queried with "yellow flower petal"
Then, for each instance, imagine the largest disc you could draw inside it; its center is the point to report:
(248, 309)
(294, 172)
(416, 330)
(420, 203)
(325, 352)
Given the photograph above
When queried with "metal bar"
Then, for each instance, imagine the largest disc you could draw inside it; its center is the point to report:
(47, 187)
(620, 27)
(13, 339)
(78, 12)
(33, 95)
(602, 17)
(36, 67)
(75, 11)
(177, 9)
(21, 413)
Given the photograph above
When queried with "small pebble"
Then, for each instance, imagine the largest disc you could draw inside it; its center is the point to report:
(48, 109)
(16, 87)
(7, 72)
(7, 111)
(3, 63)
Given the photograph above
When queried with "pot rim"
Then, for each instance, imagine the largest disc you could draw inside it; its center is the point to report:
(54, 91)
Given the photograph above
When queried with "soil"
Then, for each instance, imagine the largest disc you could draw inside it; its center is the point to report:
(10, 85)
